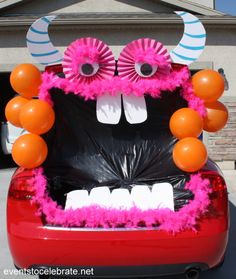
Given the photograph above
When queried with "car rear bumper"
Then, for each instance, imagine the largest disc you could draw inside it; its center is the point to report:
(115, 248)
(132, 251)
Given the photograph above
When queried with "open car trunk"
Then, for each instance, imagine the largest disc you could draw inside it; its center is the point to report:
(85, 154)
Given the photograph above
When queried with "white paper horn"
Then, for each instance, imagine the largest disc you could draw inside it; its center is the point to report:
(39, 44)
(193, 41)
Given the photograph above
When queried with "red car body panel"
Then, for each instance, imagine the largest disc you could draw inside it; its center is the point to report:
(33, 243)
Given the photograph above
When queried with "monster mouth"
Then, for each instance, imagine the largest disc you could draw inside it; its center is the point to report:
(102, 174)
(133, 110)
(160, 195)
(110, 160)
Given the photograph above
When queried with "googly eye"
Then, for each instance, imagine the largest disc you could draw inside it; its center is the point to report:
(87, 60)
(88, 69)
(145, 70)
(142, 59)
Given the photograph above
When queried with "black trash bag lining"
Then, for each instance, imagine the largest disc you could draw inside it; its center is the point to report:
(84, 153)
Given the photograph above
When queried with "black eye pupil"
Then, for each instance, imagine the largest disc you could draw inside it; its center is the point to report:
(87, 69)
(146, 69)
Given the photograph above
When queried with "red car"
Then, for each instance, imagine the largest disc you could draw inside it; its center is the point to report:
(120, 251)
(115, 252)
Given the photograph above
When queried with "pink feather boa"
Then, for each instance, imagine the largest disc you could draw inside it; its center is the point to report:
(151, 86)
(83, 53)
(151, 57)
(95, 216)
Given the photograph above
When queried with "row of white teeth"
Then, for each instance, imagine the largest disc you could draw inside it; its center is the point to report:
(109, 108)
(161, 196)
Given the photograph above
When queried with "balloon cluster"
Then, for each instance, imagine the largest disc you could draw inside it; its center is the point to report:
(35, 116)
(190, 154)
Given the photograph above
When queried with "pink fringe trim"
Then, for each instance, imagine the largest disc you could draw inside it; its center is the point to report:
(151, 57)
(82, 54)
(148, 86)
(97, 217)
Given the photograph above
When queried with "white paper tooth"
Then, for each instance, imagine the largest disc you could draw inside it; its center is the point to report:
(162, 196)
(141, 196)
(121, 199)
(77, 199)
(109, 109)
(135, 108)
(100, 196)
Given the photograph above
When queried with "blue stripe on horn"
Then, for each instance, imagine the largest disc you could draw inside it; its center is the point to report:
(195, 36)
(192, 22)
(192, 47)
(46, 20)
(35, 42)
(183, 57)
(52, 62)
(37, 31)
(44, 54)
(182, 14)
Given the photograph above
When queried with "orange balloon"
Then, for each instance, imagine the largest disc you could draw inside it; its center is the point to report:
(25, 79)
(208, 85)
(217, 117)
(189, 154)
(29, 151)
(37, 117)
(12, 110)
(186, 122)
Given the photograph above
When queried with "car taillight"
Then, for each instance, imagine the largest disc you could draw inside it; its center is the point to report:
(219, 198)
(56, 69)
(218, 185)
(21, 187)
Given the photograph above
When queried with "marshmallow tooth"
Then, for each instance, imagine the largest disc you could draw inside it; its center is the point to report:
(141, 197)
(77, 199)
(120, 199)
(162, 196)
(135, 108)
(109, 109)
(100, 196)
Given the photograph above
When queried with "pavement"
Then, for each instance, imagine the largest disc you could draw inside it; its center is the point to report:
(227, 271)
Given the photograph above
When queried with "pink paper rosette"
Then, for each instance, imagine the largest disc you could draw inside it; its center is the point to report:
(143, 59)
(87, 60)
